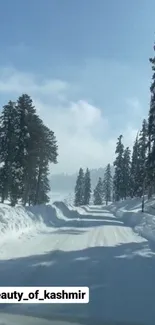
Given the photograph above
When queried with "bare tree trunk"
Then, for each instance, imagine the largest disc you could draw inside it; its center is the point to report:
(143, 203)
(38, 185)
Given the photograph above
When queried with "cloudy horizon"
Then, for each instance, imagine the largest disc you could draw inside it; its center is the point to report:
(89, 81)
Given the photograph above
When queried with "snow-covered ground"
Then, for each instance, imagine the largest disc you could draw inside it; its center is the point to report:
(60, 245)
(129, 211)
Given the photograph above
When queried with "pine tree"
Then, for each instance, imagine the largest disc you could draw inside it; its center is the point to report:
(24, 114)
(118, 175)
(126, 173)
(151, 133)
(135, 169)
(139, 179)
(79, 189)
(98, 192)
(31, 158)
(142, 176)
(107, 184)
(113, 190)
(8, 143)
(42, 186)
(87, 188)
(46, 153)
(27, 147)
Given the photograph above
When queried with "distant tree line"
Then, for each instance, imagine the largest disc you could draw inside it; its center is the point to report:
(27, 147)
(134, 171)
(102, 191)
(83, 188)
(132, 177)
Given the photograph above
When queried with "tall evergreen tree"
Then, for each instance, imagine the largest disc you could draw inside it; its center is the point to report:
(27, 147)
(135, 169)
(37, 148)
(87, 188)
(98, 192)
(118, 175)
(24, 113)
(46, 153)
(8, 143)
(113, 190)
(79, 188)
(126, 173)
(142, 176)
(151, 133)
(107, 184)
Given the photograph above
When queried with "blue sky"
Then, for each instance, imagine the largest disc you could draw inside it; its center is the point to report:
(86, 65)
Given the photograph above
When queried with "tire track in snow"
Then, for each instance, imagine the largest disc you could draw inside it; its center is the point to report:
(117, 234)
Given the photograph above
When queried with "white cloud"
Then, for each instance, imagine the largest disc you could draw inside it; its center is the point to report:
(13, 81)
(129, 136)
(85, 114)
(82, 131)
(135, 106)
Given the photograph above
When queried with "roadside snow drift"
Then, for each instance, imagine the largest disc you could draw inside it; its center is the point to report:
(129, 212)
(18, 220)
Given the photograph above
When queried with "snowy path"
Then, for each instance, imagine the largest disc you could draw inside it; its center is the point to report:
(116, 264)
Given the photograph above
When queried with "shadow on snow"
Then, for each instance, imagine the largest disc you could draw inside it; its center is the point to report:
(69, 218)
(121, 282)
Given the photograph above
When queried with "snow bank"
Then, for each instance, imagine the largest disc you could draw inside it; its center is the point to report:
(16, 221)
(19, 220)
(129, 211)
(67, 210)
(130, 218)
(56, 215)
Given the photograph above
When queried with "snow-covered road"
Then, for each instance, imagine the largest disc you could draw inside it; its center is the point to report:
(97, 251)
